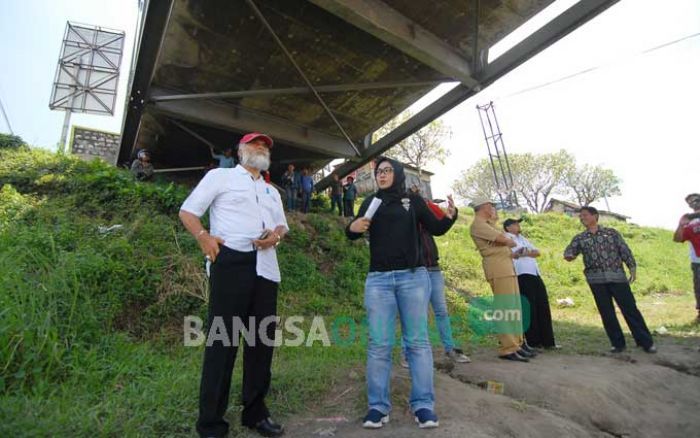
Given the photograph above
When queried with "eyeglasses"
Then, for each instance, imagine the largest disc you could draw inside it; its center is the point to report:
(385, 170)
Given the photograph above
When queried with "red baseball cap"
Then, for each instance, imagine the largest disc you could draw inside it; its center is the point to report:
(253, 135)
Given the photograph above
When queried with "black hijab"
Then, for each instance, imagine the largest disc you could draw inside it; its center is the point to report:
(397, 190)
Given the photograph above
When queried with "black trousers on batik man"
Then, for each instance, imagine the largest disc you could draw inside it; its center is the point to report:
(622, 294)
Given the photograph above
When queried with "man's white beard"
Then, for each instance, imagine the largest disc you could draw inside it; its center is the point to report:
(257, 161)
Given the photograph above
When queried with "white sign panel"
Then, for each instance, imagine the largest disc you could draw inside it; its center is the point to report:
(88, 70)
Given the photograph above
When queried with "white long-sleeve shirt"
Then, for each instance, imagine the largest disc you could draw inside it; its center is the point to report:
(524, 265)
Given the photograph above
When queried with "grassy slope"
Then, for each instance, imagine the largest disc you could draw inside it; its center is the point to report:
(90, 335)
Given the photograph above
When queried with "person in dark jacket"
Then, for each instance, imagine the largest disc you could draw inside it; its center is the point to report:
(337, 195)
(291, 182)
(141, 168)
(437, 288)
(349, 195)
(398, 283)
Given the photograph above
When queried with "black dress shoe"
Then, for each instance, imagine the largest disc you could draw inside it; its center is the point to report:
(268, 428)
(273, 424)
(526, 354)
(515, 357)
(651, 349)
(526, 348)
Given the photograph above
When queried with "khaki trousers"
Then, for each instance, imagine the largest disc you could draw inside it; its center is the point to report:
(510, 335)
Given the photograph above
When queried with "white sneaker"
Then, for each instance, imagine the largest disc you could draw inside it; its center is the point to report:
(426, 419)
(374, 419)
(457, 355)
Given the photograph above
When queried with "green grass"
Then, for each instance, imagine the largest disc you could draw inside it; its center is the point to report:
(91, 323)
(91, 328)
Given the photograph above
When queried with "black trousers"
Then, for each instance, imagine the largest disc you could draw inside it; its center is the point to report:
(539, 332)
(236, 291)
(337, 200)
(349, 207)
(622, 294)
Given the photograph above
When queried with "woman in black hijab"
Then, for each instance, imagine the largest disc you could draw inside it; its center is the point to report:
(398, 283)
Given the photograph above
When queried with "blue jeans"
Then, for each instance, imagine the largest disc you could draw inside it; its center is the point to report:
(407, 293)
(305, 201)
(291, 193)
(439, 305)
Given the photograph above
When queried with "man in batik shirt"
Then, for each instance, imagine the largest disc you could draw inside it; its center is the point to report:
(603, 251)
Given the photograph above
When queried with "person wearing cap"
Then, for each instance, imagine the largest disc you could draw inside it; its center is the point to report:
(538, 327)
(141, 168)
(604, 250)
(226, 159)
(689, 231)
(247, 223)
(397, 285)
(494, 247)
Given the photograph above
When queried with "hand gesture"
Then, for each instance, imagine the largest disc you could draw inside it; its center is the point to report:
(268, 242)
(451, 209)
(209, 245)
(360, 225)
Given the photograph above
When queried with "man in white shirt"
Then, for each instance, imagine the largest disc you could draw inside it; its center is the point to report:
(539, 332)
(247, 222)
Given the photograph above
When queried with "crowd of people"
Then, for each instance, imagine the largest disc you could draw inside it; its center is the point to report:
(404, 280)
(299, 187)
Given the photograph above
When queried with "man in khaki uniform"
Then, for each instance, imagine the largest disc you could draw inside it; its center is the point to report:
(494, 247)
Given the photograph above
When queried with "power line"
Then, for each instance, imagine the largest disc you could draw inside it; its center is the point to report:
(590, 69)
(4, 114)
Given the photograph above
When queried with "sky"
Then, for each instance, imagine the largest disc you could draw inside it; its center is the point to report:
(31, 34)
(636, 113)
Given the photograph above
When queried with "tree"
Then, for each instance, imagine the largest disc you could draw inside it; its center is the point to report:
(8, 141)
(591, 183)
(535, 178)
(421, 148)
(476, 182)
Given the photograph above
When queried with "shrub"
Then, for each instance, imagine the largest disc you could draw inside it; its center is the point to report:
(8, 141)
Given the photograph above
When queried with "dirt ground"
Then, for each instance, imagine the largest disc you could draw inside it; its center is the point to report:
(555, 395)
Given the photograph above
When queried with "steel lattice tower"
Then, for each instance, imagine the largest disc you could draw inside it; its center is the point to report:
(500, 166)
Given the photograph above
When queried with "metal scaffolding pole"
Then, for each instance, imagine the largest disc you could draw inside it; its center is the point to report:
(498, 157)
(7, 119)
